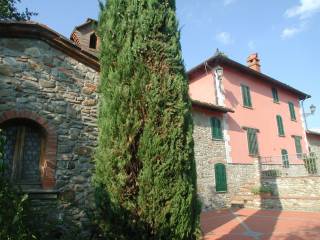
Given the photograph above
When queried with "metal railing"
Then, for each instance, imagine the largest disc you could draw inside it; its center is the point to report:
(289, 165)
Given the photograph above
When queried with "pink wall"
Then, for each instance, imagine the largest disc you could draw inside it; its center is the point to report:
(262, 116)
(202, 88)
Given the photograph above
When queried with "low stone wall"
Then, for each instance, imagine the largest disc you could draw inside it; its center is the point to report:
(292, 193)
(292, 170)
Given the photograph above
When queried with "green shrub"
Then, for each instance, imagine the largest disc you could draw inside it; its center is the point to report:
(261, 189)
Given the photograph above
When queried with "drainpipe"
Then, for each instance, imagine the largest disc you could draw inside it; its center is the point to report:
(217, 73)
(304, 114)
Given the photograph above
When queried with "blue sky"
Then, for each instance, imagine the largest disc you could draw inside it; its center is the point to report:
(285, 33)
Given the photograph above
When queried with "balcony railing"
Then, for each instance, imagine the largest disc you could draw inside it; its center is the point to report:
(289, 165)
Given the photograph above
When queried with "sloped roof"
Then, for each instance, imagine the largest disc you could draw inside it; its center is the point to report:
(211, 107)
(34, 30)
(222, 59)
(313, 132)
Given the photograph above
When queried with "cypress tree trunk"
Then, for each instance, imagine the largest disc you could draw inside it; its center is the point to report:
(145, 168)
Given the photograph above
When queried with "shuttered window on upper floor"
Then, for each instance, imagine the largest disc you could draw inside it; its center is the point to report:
(275, 95)
(252, 141)
(246, 97)
(280, 126)
(216, 128)
(297, 142)
(292, 111)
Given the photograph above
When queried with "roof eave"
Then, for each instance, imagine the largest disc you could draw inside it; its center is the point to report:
(211, 107)
(33, 30)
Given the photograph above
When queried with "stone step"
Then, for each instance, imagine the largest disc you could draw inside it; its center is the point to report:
(237, 204)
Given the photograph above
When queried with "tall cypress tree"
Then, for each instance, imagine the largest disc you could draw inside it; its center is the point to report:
(145, 168)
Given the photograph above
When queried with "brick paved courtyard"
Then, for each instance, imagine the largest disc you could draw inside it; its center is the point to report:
(248, 224)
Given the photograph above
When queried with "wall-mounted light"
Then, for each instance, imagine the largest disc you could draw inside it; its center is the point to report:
(312, 109)
(219, 72)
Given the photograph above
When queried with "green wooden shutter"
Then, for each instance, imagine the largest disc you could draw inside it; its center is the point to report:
(252, 141)
(285, 158)
(216, 129)
(275, 95)
(297, 141)
(280, 126)
(246, 96)
(220, 177)
(292, 111)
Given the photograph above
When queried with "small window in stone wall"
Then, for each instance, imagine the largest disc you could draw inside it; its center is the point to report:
(24, 151)
(93, 41)
(220, 177)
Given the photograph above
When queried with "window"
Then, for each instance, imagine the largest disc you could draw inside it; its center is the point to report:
(292, 111)
(23, 151)
(246, 96)
(275, 95)
(280, 126)
(216, 129)
(297, 142)
(220, 177)
(93, 41)
(285, 158)
(252, 141)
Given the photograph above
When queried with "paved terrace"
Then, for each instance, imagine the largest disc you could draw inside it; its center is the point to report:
(252, 224)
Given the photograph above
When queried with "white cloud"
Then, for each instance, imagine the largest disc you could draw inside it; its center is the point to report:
(228, 2)
(224, 38)
(289, 32)
(305, 9)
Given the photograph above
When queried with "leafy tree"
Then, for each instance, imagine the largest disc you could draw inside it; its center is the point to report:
(145, 168)
(9, 11)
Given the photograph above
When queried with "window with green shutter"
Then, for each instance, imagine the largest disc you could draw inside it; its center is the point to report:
(280, 126)
(216, 128)
(292, 111)
(246, 97)
(297, 141)
(220, 177)
(252, 141)
(275, 95)
(285, 158)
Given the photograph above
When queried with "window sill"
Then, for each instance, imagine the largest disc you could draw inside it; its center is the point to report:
(248, 107)
(221, 192)
(218, 139)
(42, 193)
(276, 102)
(254, 155)
(282, 136)
(294, 120)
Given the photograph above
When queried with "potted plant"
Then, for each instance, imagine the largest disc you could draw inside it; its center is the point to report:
(263, 191)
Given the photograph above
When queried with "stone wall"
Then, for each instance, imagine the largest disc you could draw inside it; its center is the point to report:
(314, 143)
(293, 193)
(36, 78)
(207, 153)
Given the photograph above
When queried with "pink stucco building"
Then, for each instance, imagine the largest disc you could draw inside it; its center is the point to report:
(265, 117)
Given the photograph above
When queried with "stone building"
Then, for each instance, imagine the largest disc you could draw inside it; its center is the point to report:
(48, 109)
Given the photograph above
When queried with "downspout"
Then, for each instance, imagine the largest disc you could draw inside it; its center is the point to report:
(305, 124)
(214, 81)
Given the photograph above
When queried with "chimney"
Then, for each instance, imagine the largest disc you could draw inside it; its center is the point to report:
(253, 62)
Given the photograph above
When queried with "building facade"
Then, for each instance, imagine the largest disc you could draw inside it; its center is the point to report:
(48, 111)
